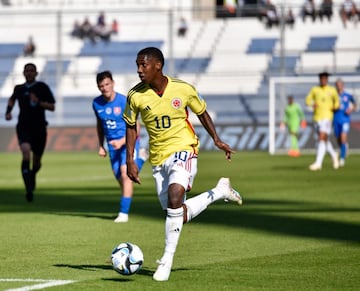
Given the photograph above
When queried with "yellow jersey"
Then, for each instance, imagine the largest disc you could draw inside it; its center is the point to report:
(165, 117)
(324, 100)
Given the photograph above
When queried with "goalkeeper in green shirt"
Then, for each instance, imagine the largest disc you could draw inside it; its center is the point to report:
(293, 118)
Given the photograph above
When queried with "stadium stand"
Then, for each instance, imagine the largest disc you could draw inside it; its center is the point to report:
(229, 60)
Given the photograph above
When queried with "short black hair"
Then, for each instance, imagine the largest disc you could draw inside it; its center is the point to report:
(153, 52)
(324, 74)
(103, 75)
(30, 65)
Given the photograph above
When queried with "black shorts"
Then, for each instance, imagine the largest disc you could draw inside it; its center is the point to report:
(35, 136)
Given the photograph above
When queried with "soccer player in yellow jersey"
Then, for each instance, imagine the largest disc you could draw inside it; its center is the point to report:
(163, 102)
(324, 99)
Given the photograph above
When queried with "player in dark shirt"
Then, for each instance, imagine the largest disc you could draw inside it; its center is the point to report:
(34, 98)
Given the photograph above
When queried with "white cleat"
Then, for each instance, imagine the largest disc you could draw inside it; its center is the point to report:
(336, 162)
(314, 167)
(163, 271)
(229, 193)
(122, 217)
(342, 163)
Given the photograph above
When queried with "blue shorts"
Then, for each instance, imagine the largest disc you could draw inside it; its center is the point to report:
(341, 127)
(118, 157)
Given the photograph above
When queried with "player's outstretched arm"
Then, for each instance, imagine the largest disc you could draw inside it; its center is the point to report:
(208, 124)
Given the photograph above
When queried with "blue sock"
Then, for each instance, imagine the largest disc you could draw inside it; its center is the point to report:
(343, 151)
(125, 203)
(139, 162)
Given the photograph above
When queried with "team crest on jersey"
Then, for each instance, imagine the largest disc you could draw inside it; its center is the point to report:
(176, 103)
(117, 110)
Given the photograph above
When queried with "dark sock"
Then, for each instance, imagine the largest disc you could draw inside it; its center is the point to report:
(33, 177)
(29, 196)
(26, 174)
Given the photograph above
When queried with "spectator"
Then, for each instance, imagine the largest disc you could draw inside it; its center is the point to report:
(93, 32)
(115, 27)
(6, 2)
(101, 19)
(101, 30)
(230, 6)
(326, 9)
(29, 48)
(270, 14)
(290, 19)
(348, 11)
(308, 9)
(77, 30)
(87, 30)
(183, 27)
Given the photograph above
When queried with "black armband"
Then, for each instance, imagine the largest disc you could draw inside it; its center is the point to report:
(8, 109)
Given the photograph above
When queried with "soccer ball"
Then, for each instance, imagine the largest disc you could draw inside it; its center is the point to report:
(127, 258)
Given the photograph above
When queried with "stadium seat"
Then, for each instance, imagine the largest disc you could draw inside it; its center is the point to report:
(262, 45)
(116, 48)
(321, 44)
(11, 49)
(289, 64)
(314, 62)
(233, 57)
(48, 74)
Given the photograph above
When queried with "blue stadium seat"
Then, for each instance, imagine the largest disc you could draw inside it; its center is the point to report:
(11, 49)
(289, 62)
(117, 56)
(118, 64)
(191, 65)
(48, 74)
(262, 45)
(129, 48)
(7, 65)
(321, 44)
(126, 64)
(8, 54)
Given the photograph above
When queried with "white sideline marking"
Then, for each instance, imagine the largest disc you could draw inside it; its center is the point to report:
(44, 284)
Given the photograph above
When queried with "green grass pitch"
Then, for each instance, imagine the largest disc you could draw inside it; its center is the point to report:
(297, 230)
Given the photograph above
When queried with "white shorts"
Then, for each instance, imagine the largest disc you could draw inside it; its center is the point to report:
(179, 168)
(324, 126)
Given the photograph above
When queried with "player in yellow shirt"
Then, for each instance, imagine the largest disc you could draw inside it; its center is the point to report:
(324, 99)
(163, 102)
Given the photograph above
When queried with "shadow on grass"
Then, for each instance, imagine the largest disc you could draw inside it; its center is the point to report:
(143, 271)
(274, 216)
(86, 267)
